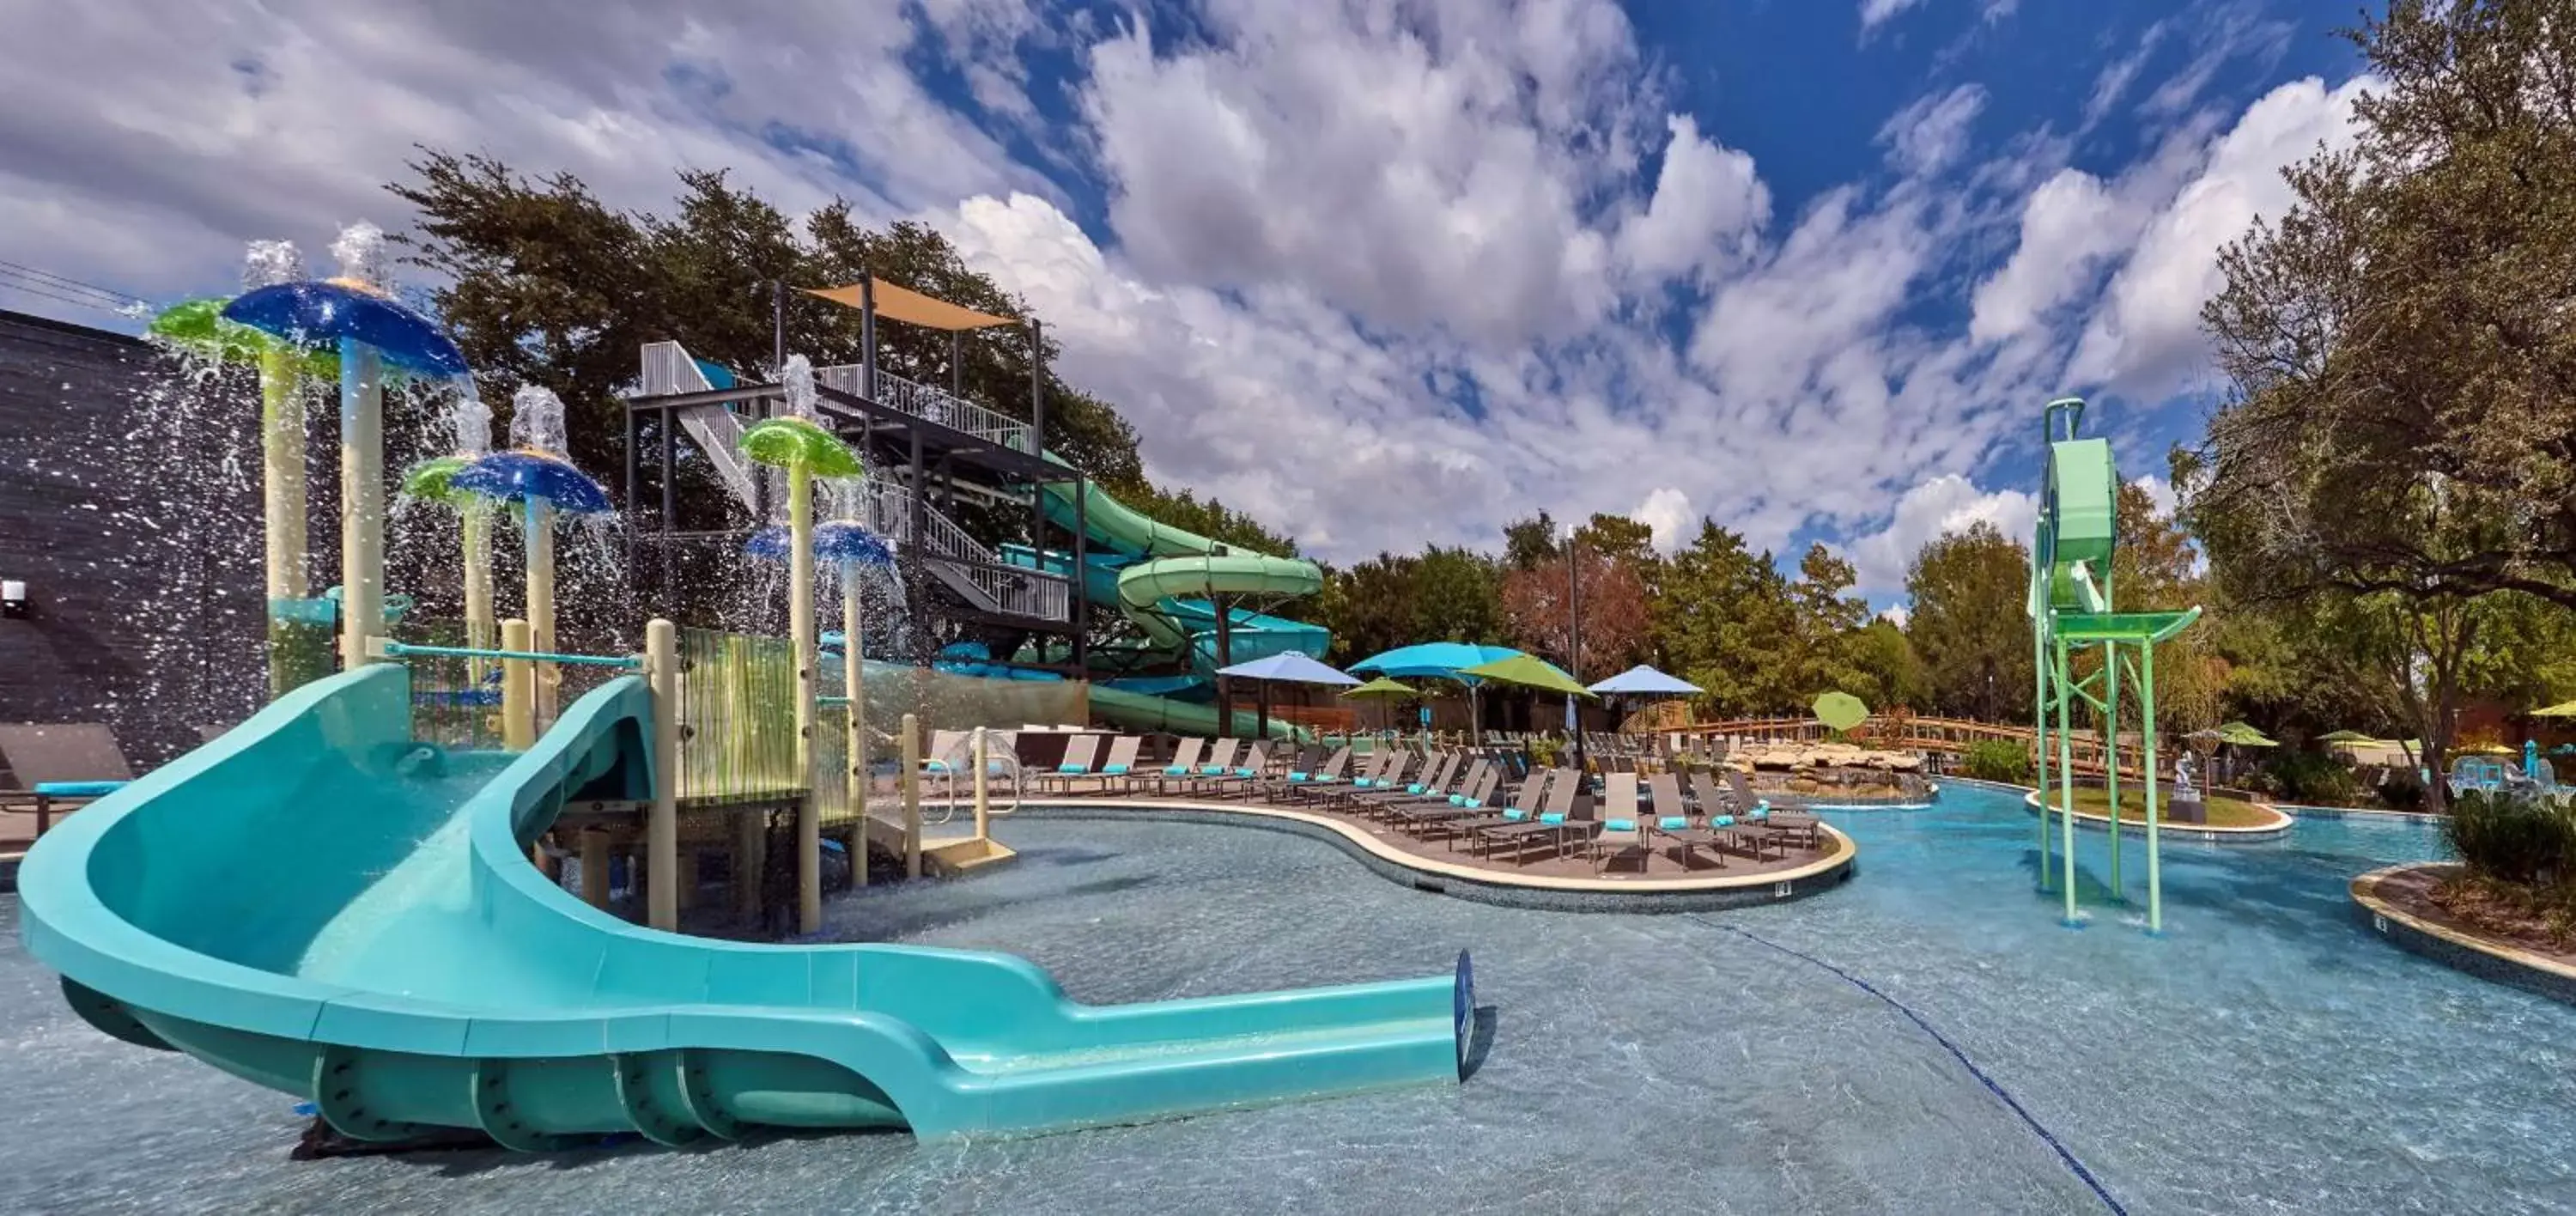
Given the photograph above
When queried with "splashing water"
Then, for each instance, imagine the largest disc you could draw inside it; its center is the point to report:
(537, 420)
(798, 379)
(472, 421)
(362, 255)
(268, 263)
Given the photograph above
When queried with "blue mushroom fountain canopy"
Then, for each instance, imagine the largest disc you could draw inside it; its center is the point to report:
(321, 312)
(840, 542)
(522, 476)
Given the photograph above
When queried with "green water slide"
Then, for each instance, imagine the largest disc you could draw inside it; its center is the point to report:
(320, 904)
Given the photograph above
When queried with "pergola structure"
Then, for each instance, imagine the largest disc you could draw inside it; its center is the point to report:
(2072, 611)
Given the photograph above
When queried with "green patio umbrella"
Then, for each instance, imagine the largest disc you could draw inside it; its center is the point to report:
(2343, 738)
(1531, 672)
(1841, 711)
(1383, 689)
(2244, 735)
(2564, 709)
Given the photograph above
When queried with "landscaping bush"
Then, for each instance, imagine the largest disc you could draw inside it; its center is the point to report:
(1997, 760)
(2522, 840)
(2310, 778)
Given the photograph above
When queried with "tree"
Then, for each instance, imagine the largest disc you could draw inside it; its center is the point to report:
(1827, 624)
(1539, 606)
(1209, 518)
(1969, 623)
(1457, 597)
(1722, 619)
(1528, 542)
(2400, 434)
(1890, 675)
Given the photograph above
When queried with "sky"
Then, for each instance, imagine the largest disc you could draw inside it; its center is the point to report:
(1380, 272)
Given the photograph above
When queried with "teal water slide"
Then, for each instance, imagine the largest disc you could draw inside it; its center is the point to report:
(317, 903)
(1164, 580)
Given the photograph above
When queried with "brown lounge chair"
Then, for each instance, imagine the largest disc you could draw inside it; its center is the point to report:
(1302, 786)
(1466, 802)
(1078, 757)
(1434, 784)
(1462, 824)
(1672, 821)
(1737, 804)
(1182, 771)
(1622, 833)
(59, 767)
(1556, 819)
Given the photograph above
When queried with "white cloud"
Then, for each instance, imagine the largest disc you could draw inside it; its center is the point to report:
(1924, 137)
(1898, 613)
(1927, 512)
(2145, 339)
(1707, 209)
(1667, 514)
(1874, 13)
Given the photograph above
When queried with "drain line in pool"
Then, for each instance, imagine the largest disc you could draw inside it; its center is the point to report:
(1992, 1086)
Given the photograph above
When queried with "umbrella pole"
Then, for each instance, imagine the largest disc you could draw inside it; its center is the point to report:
(281, 435)
(362, 500)
(853, 663)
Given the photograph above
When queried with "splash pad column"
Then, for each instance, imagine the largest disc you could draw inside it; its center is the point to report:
(281, 444)
(540, 519)
(362, 500)
(853, 665)
(800, 633)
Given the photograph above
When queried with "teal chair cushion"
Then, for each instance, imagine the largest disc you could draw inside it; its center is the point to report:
(77, 789)
(1301, 776)
(936, 766)
(1619, 825)
(1672, 823)
(1243, 772)
(1721, 821)
(1113, 770)
(1457, 800)
(1473, 803)
(1073, 768)
(1413, 789)
(1552, 817)
(1212, 770)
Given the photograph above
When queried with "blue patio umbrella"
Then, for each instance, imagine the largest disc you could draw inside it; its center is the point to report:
(1288, 667)
(1439, 660)
(319, 313)
(1642, 680)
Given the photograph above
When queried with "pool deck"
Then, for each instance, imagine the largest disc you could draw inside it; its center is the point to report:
(2394, 898)
(1656, 882)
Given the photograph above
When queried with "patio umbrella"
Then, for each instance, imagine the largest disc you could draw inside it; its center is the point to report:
(1841, 711)
(2343, 736)
(1643, 680)
(2564, 709)
(1439, 660)
(1529, 671)
(1382, 689)
(2243, 735)
(1286, 667)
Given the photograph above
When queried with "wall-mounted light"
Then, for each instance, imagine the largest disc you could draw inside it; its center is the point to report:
(13, 597)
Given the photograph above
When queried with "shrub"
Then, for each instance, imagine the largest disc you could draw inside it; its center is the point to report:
(2514, 838)
(1997, 760)
(2310, 778)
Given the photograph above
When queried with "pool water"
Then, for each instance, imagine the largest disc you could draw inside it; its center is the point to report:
(1926, 1038)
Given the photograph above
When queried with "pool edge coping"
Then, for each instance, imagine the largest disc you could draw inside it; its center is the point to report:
(1489, 886)
(2493, 961)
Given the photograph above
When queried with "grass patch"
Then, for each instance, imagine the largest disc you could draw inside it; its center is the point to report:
(2223, 812)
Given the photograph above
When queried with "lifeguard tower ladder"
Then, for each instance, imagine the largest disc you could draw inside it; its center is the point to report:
(2071, 610)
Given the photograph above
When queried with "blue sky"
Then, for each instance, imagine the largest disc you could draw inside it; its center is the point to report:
(1384, 272)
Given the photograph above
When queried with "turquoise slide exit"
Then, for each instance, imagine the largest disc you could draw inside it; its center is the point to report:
(319, 904)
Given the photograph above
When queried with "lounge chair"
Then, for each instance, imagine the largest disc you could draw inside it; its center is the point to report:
(1465, 799)
(1119, 767)
(1182, 771)
(1622, 833)
(1672, 822)
(1240, 780)
(1078, 755)
(1434, 782)
(1302, 785)
(1387, 779)
(1366, 778)
(1219, 761)
(1555, 812)
(59, 767)
(1522, 806)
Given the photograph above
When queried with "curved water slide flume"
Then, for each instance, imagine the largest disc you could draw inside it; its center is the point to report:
(319, 904)
(1171, 573)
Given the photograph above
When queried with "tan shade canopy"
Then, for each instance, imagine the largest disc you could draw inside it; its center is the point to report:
(911, 307)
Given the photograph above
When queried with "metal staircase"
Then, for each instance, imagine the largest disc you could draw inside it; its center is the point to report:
(970, 570)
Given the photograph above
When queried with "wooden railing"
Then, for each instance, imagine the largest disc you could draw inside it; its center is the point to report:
(1947, 736)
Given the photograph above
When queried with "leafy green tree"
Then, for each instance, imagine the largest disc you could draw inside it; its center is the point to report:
(1968, 622)
(1890, 675)
(1827, 630)
(1527, 542)
(1723, 621)
(1209, 518)
(1457, 597)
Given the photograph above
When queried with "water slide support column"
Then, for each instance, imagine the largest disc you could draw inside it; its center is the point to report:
(2111, 755)
(2039, 725)
(662, 823)
(362, 500)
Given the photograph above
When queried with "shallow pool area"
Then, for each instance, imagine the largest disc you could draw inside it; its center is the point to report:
(1926, 1037)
